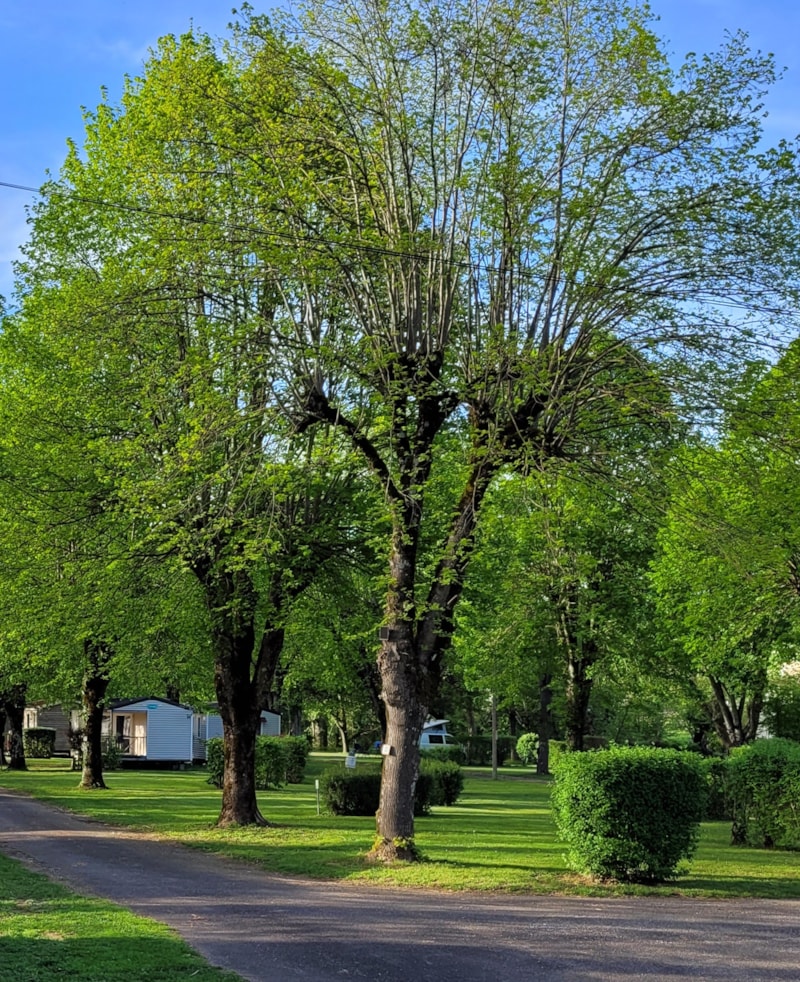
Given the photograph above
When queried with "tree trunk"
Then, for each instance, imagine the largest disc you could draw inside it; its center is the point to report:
(579, 691)
(735, 721)
(14, 700)
(239, 804)
(94, 690)
(544, 727)
(405, 715)
(3, 718)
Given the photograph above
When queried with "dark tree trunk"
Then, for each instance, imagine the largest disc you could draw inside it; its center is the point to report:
(94, 690)
(173, 692)
(544, 726)
(3, 718)
(245, 665)
(14, 700)
(579, 691)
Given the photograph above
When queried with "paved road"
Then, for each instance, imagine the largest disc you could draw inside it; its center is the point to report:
(275, 929)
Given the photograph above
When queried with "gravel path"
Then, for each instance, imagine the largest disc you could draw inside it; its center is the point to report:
(275, 929)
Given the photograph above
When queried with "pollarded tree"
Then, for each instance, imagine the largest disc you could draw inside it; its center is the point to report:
(501, 214)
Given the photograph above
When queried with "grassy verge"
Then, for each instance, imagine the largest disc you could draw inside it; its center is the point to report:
(48, 933)
(500, 836)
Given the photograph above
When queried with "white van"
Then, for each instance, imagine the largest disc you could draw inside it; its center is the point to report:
(434, 734)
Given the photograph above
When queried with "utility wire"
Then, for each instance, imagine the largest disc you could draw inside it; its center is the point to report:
(315, 241)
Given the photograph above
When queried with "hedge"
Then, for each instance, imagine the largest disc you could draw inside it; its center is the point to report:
(348, 792)
(39, 741)
(279, 761)
(763, 783)
(629, 813)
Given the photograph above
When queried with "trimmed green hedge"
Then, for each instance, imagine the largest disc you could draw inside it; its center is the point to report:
(279, 761)
(629, 813)
(39, 741)
(349, 792)
(763, 783)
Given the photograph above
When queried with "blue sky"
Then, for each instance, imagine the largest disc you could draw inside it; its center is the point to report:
(57, 54)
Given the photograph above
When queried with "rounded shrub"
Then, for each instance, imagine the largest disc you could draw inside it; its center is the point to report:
(629, 813)
(528, 748)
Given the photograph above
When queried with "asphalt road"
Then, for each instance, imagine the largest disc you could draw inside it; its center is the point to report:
(275, 929)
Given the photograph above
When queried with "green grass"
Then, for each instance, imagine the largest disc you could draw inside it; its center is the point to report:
(499, 837)
(48, 934)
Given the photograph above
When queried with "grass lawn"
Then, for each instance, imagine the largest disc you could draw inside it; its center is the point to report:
(500, 836)
(48, 934)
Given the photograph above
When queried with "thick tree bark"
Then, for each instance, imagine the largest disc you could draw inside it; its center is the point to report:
(94, 690)
(14, 704)
(405, 716)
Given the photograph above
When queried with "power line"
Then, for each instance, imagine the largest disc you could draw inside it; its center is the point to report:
(317, 241)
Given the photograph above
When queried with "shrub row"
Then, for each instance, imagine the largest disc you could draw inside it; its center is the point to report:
(279, 761)
(763, 787)
(358, 793)
(629, 813)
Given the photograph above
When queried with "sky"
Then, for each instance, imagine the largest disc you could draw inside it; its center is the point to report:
(57, 55)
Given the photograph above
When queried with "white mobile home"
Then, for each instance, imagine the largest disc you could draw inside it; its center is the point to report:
(151, 729)
(205, 726)
(434, 734)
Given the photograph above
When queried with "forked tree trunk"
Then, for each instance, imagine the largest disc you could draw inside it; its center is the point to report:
(94, 691)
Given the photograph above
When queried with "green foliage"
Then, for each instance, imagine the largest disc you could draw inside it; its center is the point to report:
(39, 741)
(527, 748)
(447, 781)
(718, 804)
(350, 792)
(278, 761)
(456, 754)
(764, 789)
(782, 707)
(478, 750)
(629, 813)
(296, 749)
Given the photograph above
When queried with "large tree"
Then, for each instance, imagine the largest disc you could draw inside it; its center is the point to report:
(510, 211)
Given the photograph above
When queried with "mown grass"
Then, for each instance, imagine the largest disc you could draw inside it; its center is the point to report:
(48, 934)
(499, 837)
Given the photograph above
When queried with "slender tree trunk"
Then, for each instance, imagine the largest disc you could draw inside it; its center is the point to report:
(14, 701)
(544, 727)
(94, 690)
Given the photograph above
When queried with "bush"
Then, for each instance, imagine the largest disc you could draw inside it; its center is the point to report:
(718, 806)
(447, 781)
(629, 813)
(279, 760)
(763, 781)
(528, 748)
(351, 793)
(112, 754)
(39, 741)
(447, 754)
(296, 758)
(347, 792)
